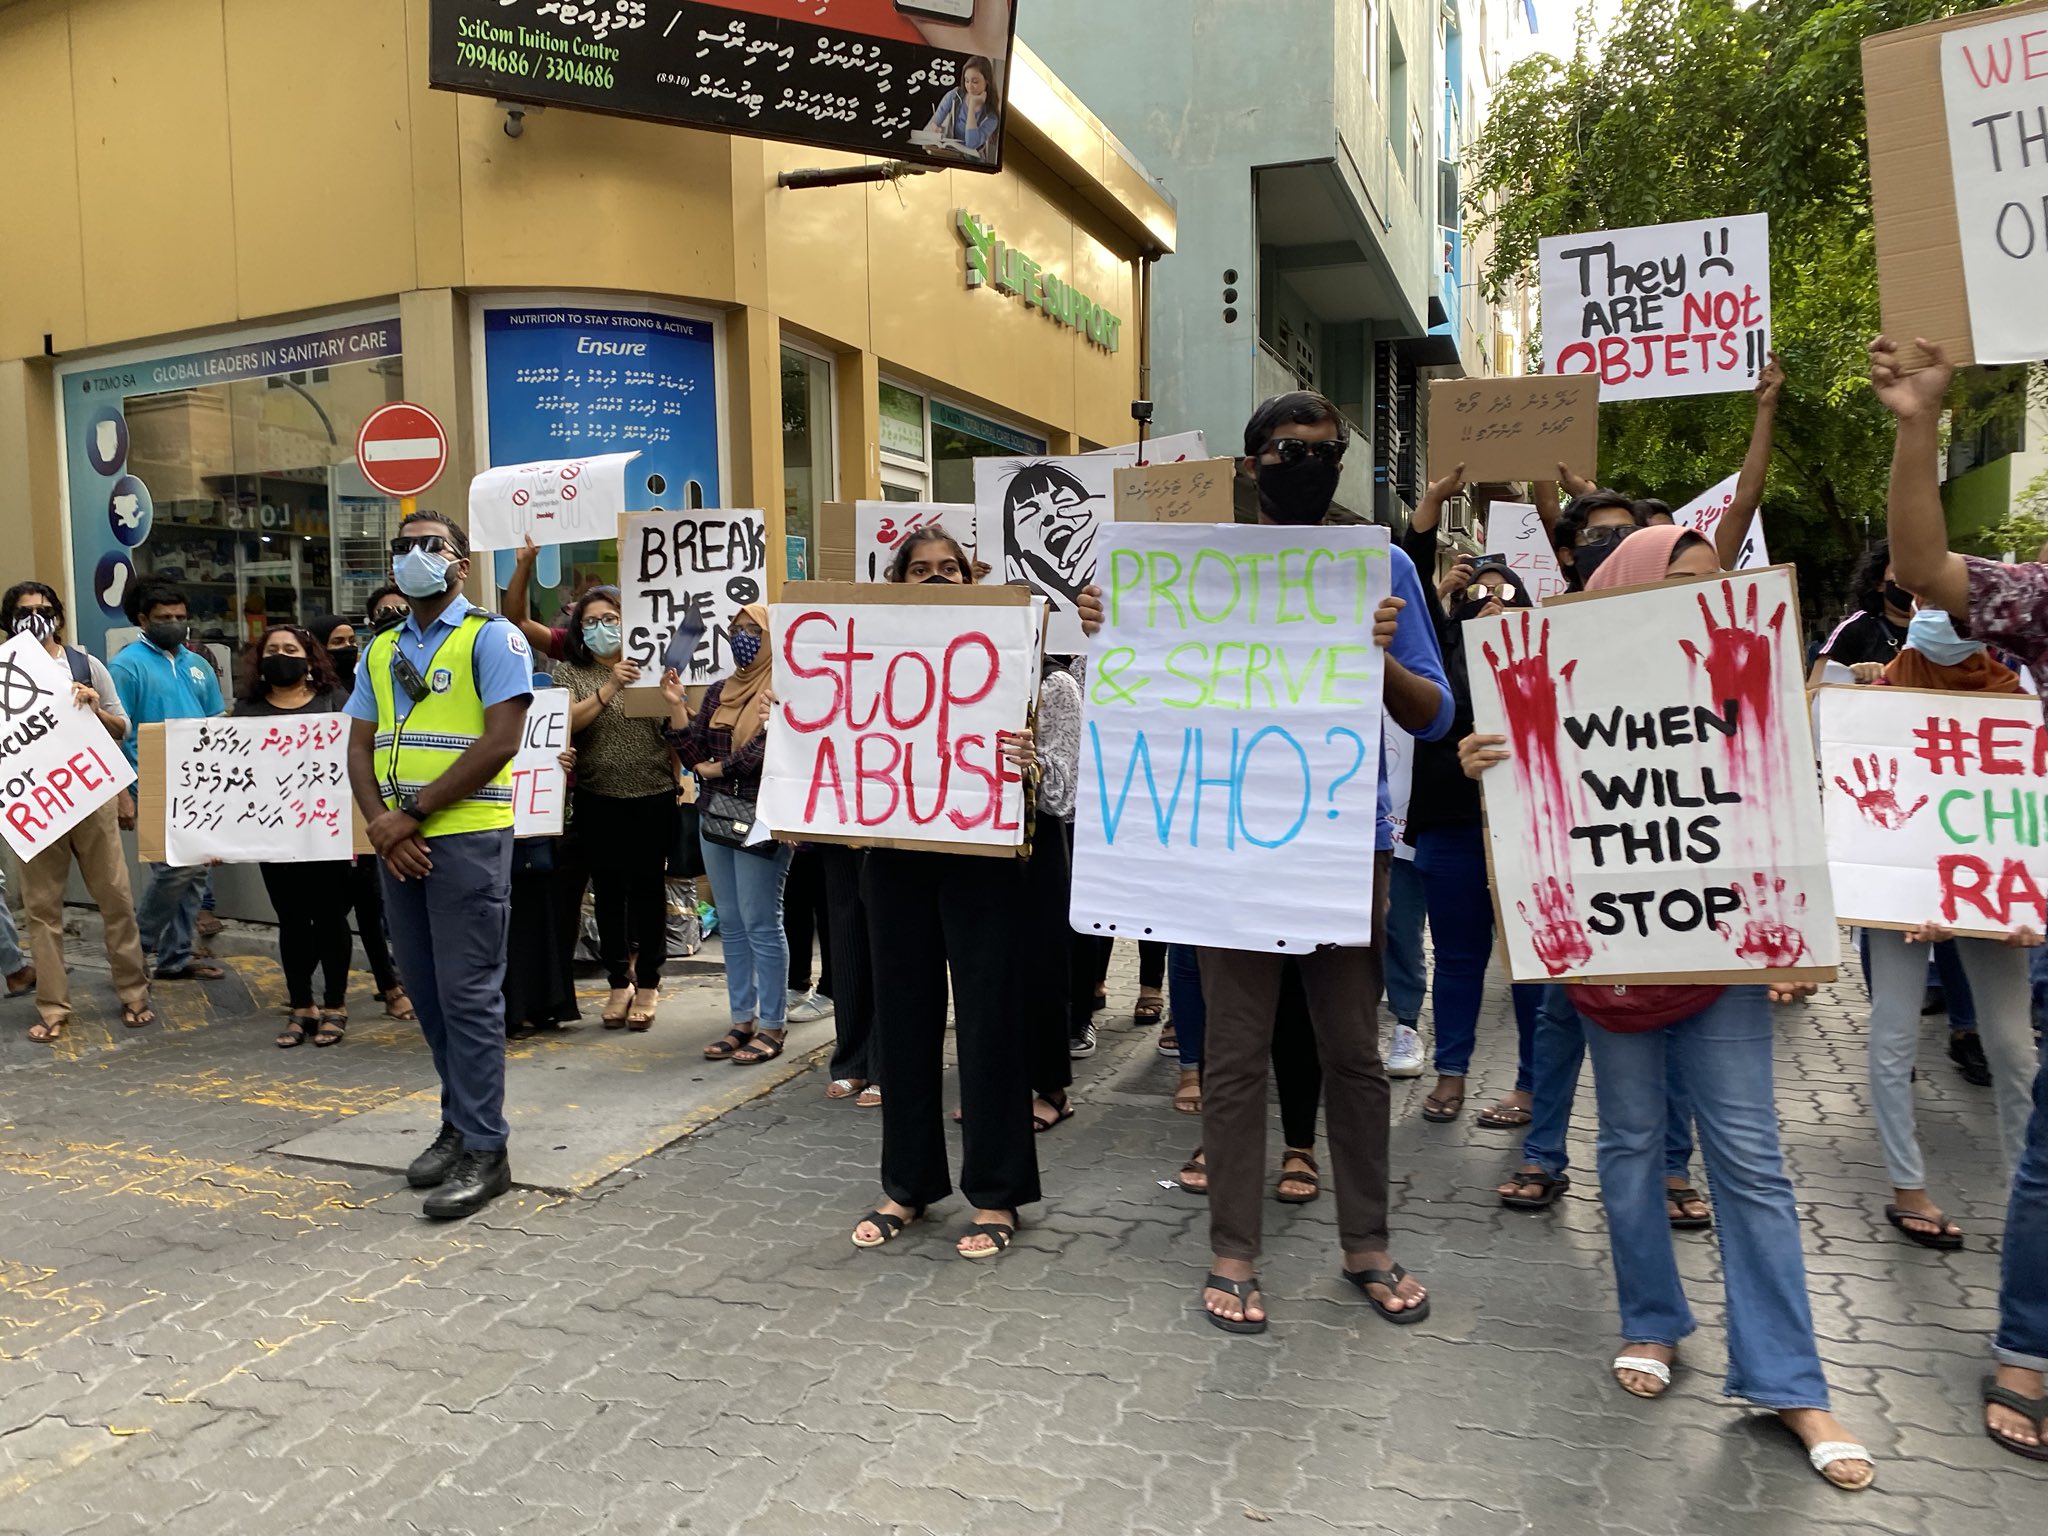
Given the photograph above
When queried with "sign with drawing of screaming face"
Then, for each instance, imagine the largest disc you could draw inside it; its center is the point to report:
(1049, 511)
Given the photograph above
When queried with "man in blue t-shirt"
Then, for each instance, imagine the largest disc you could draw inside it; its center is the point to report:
(159, 678)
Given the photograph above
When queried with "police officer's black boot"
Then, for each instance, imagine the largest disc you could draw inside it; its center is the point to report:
(474, 1182)
(432, 1165)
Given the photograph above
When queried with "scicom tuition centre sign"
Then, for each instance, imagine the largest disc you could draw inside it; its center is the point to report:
(993, 264)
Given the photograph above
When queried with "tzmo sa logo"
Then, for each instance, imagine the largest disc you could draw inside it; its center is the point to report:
(993, 264)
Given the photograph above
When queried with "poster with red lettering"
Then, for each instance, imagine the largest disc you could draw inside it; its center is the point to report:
(1657, 818)
(57, 763)
(889, 704)
(1661, 310)
(1935, 807)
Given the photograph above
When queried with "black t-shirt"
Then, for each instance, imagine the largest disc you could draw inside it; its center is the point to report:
(328, 703)
(1864, 636)
(1440, 795)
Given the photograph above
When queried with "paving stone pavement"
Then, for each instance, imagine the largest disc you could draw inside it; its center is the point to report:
(198, 1336)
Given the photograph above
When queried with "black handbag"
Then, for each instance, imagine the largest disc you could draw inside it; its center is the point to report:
(727, 819)
(686, 857)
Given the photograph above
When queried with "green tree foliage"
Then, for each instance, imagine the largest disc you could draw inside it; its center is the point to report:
(1692, 109)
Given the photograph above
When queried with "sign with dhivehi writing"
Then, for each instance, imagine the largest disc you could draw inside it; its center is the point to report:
(57, 763)
(1515, 531)
(880, 526)
(1703, 516)
(265, 788)
(1191, 491)
(1518, 428)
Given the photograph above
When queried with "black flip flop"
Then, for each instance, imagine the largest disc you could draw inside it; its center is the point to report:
(2034, 1408)
(1944, 1240)
(1503, 1117)
(1453, 1107)
(1552, 1185)
(999, 1233)
(1243, 1290)
(1064, 1110)
(1677, 1199)
(1391, 1279)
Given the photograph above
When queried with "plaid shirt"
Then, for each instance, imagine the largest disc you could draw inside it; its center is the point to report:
(2009, 609)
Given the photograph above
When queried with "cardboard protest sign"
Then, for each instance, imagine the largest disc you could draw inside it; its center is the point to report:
(1703, 515)
(1174, 448)
(1658, 817)
(1231, 737)
(692, 569)
(268, 788)
(1994, 87)
(57, 763)
(558, 501)
(540, 785)
(879, 526)
(1515, 530)
(1516, 428)
(1935, 807)
(1194, 491)
(1046, 515)
(889, 704)
(1660, 310)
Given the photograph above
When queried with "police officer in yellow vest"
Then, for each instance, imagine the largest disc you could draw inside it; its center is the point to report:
(439, 705)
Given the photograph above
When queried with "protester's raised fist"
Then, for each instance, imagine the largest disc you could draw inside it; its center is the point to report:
(1441, 491)
(1770, 384)
(1909, 396)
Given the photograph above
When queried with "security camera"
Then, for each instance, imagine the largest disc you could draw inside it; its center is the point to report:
(515, 117)
(1141, 410)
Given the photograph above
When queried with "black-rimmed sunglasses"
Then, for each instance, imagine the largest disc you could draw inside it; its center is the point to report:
(1292, 450)
(428, 543)
(1596, 538)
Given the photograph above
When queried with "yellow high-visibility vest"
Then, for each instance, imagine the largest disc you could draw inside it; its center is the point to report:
(413, 752)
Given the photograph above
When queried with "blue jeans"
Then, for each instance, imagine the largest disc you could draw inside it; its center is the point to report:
(2022, 1337)
(748, 888)
(1407, 980)
(168, 914)
(1452, 864)
(11, 957)
(1772, 1358)
(1954, 982)
(2037, 977)
(1559, 1047)
(1184, 997)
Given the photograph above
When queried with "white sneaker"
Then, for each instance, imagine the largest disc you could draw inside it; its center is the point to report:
(810, 1008)
(1404, 1059)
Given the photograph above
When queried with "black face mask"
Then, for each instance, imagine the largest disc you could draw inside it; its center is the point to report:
(1472, 607)
(344, 659)
(1590, 557)
(941, 578)
(167, 634)
(1896, 596)
(282, 671)
(1298, 494)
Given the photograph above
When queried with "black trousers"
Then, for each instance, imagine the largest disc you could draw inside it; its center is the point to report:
(312, 902)
(969, 916)
(806, 916)
(853, 1000)
(1050, 882)
(625, 844)
(366, 893)
(1093, 965)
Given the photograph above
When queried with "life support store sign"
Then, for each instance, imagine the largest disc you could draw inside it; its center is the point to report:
(57, 763)
(1935, 808)
(890, 702)
(1658, 816)
(1230, 737)
(1663, 310)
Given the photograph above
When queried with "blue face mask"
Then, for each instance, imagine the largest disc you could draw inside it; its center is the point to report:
(420, 574)
(746, 645)
(1933, 634)
(601, 636)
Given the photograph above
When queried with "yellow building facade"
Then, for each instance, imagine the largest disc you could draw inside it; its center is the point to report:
(241, 225)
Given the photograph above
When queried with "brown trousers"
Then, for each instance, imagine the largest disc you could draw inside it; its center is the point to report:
(96, 843)
(1242, 991)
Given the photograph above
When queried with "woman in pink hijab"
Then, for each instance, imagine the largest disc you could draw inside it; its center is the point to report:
(1720, 1037)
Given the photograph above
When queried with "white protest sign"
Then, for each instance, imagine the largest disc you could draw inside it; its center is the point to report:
(271, 788)
(57, 763)
(889, 702)
(1658, 817)
(540, 785)
(1934, 807)
(1703, 515)
(1170, 449)
(1515, 530)
(1046, 516)
(1994, 92)
(1400, 757)
(1661, 310)
(879, 526)
(696, 568)
(1231, 737)
(558, 501)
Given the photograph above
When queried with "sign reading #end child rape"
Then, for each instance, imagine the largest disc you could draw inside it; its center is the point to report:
(1657, 818)
(1935, 807)
(57, 763)
(1661, 310)
(1230, 742)
(889, 704)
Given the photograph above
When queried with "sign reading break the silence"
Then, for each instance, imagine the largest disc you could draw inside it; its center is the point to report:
(1994, 91)
(57, 763)
(1665, 309)
(889, 703)
(1231, 736)
(1935, 807)
(1658, 816)
(691, 570)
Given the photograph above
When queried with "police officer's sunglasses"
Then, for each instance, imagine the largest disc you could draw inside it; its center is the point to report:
(426, 543)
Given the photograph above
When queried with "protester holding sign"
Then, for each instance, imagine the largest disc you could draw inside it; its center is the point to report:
(1867, 640)
(1723, 1035)
(33, 610)
(287, 673)
(2003, 605)
(625, 810)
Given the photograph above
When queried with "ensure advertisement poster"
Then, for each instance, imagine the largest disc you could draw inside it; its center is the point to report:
(920, 80)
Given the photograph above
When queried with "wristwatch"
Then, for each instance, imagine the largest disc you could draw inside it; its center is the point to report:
(409, 805)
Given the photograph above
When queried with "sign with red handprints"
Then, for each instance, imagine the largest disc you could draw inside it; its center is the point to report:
(1657, 816)
(1935, 807)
